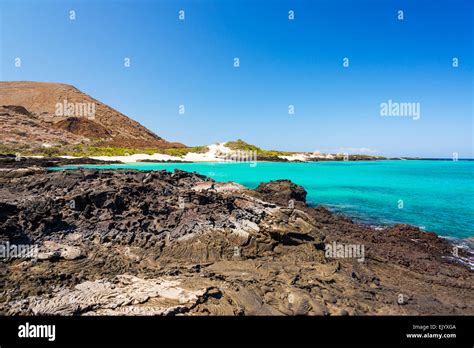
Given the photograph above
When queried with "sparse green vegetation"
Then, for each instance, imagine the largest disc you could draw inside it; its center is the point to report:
(273, 153)
(8, 150)
(51, 151)
(241, 145)
(88, 151)
(82, 150)
(180, 152)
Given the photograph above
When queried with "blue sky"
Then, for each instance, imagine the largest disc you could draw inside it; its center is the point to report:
(282, 63)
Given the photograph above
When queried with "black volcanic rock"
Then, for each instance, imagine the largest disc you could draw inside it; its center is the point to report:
(282, 191)
(114, 242)
(13, 162)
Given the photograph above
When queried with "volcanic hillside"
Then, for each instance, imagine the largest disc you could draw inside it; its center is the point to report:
(40, 114)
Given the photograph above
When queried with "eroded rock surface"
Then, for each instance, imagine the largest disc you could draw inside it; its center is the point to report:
(160, 243)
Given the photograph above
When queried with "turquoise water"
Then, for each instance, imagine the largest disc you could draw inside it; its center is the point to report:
(436, 195)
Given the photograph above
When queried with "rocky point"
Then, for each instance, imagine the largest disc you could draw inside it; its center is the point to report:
(125, 242)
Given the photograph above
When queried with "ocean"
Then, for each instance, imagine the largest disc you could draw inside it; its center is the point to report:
(436, 195)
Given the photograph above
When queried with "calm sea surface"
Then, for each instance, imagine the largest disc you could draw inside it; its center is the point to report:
(435, 195)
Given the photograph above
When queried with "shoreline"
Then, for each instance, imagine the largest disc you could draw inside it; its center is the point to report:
(368, 222)
(466, 243)
(366, 219)
(56, 164)
(162, 158)
(198, 234)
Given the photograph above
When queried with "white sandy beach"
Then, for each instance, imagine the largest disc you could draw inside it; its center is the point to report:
(217, 153)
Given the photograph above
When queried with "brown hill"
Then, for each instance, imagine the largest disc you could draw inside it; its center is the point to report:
(83, 127)
(48, 114)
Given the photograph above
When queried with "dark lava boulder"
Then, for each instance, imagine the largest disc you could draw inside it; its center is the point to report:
(282, 192)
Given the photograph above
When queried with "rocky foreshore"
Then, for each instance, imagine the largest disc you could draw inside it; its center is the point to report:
(14, 162)
(127, 242)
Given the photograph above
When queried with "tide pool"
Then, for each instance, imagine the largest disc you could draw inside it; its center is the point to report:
(435, 195)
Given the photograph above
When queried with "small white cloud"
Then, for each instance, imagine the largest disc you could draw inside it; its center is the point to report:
(357, 150)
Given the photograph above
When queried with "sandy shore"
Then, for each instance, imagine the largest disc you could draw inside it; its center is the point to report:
(217, 153)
